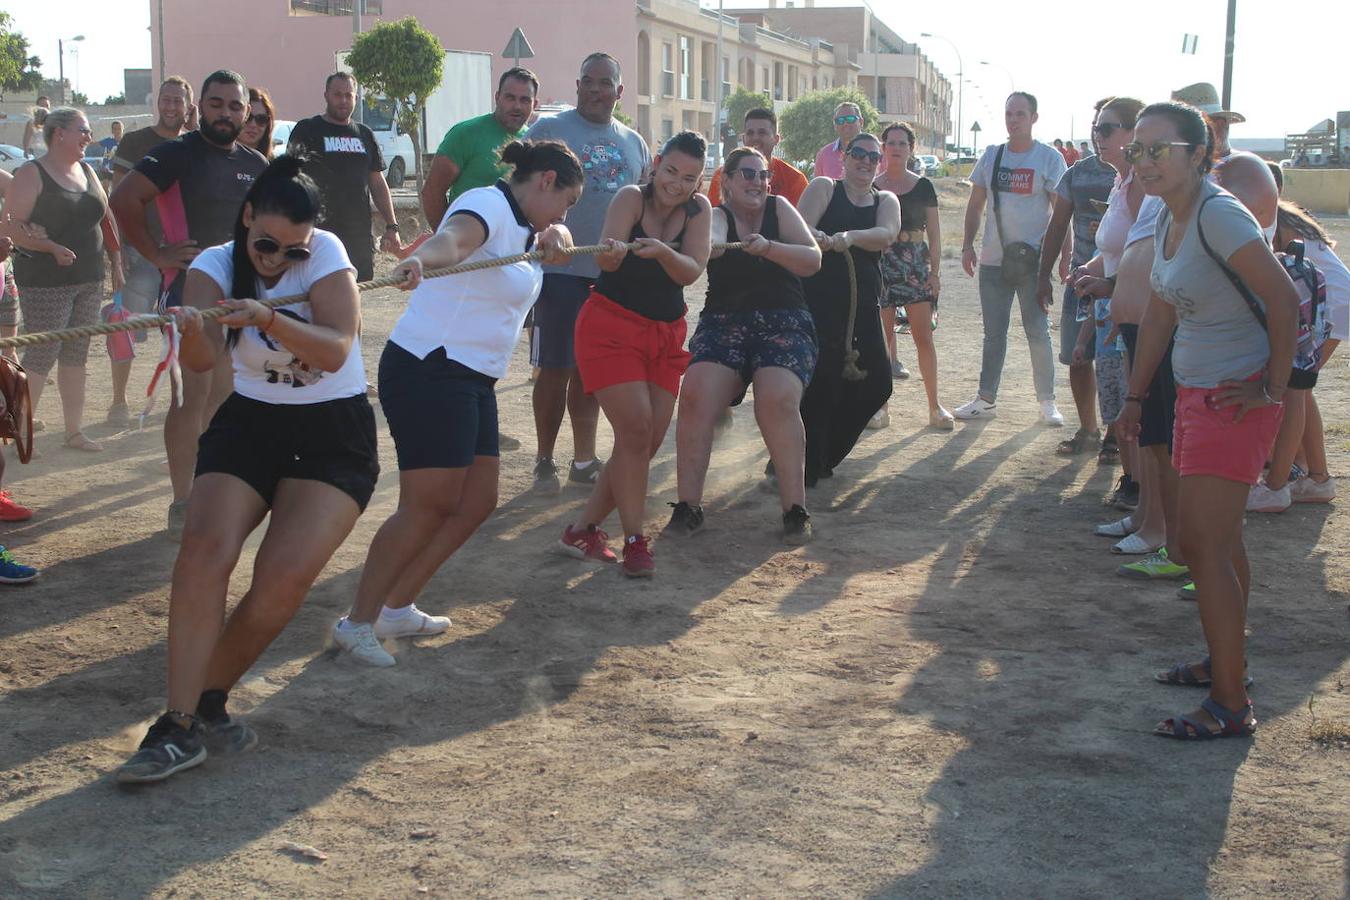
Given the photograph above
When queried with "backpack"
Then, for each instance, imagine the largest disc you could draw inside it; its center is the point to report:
(1313, 326)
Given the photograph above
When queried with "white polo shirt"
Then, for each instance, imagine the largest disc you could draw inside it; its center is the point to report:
(477, 316)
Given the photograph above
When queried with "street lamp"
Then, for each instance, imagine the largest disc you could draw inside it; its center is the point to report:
(960, 89)
(1012, 83)
(61, 64)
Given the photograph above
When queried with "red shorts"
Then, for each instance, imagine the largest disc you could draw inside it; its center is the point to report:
(1206, 440)
(615, 345)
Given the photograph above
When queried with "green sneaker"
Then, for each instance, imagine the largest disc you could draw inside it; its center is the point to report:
(1156, 565)
(1187, 592)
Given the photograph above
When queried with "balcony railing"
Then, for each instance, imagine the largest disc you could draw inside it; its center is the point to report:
(337, 7)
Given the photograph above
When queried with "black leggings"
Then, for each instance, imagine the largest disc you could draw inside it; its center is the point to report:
(834, 411)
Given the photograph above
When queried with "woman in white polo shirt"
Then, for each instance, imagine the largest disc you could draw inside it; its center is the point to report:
(296, 439)
(436, 384)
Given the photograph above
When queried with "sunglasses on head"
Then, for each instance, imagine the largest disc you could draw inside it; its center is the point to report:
(262, 120)
(860, 154)
(1157, 151)
(846, 120)
(267, 247)
(750, 174)
(1106, 129)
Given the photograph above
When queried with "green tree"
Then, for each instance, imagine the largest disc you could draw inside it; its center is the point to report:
(741, 101)
(402, 61)
(115, 100)
(79, 99)
(808, 124)
(18, 70)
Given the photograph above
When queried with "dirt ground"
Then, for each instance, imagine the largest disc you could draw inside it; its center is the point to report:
(947, 694)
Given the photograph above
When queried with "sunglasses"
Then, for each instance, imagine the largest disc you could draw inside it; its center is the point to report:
(1106, 129)
(860, 154)
(267, 247)
(846, 120)
(750, 174)
(1157, 151)
(262, 120)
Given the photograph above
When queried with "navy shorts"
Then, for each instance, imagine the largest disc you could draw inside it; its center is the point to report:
(555, 320)
(748, 340)
(262, 443)
(1068, 329)
(441, 413)
(1157, 413)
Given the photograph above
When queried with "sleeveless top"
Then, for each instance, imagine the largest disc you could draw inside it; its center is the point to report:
(739, 282)
(73, 219)
(642, 286)
(827, 291)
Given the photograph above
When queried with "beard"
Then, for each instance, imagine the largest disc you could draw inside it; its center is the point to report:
(223, 131)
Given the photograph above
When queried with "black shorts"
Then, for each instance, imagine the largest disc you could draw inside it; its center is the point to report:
(1302, 380)
(1157, 413)
(555, 320)
(360, 250)
(749, 340)
(262, 443)
(441, 413)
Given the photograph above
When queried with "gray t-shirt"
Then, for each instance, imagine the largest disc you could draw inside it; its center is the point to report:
(1087, 180)
(1026, 184)
(1218, 336)
(612, 156)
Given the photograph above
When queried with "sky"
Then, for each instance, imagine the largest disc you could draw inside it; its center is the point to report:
(1067, 54)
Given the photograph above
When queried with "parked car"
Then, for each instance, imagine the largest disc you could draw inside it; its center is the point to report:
(281, 136)
(932, 166)
(11, 157)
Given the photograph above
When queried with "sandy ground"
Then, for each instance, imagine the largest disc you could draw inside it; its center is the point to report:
(947, 694)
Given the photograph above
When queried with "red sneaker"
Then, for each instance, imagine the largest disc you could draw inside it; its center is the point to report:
(11, 511)
(637, 557)
(587, 543)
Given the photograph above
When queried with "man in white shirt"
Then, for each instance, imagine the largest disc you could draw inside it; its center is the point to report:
(1013, 184)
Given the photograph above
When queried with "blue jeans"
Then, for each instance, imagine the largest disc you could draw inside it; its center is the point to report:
(996, 298)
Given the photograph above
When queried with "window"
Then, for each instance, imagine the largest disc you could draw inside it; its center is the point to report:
(726, 76)
(764, 85)
(336, 7)
(667, 70)
(778, 81)
(686, 76)
(667, 129)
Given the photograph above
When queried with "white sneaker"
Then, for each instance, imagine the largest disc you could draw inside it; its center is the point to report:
(1050, 414)
(881, 420)
(979, 408)
(1305, 490)
(414, 623)
(360, 641)
(1263, 500)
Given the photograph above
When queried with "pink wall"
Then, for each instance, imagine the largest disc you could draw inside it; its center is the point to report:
(291, 55)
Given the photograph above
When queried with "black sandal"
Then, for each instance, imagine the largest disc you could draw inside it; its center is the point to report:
(1078, 443)
(1109, 455)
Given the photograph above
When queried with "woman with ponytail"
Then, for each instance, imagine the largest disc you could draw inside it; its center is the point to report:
(296, 439)
(437, 377)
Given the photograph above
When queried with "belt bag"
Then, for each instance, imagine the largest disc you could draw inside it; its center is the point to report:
(1021, 261)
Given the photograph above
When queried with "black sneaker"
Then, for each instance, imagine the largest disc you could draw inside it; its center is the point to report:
(168, 748)
(1126, 495)
(221, 733)
(546, 476)
(797, 525)
(686, 519)
(588, 476)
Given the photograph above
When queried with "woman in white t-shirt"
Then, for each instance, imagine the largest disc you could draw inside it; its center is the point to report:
(296, 439)
(436, 384)
(1231, 359)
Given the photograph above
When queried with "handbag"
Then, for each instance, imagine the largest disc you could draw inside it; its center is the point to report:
(16, 421)
(1021, 261)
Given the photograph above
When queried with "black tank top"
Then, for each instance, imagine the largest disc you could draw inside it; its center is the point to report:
(642, 286)
(827, 291)
(73, 219)
(739, 282)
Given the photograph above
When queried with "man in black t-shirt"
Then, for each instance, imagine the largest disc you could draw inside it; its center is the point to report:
(346, 163)
(198, 183)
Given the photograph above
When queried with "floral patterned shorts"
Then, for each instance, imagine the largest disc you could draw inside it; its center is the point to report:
(905, 268)
(755, 339)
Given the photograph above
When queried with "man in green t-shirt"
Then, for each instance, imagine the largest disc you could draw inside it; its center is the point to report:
(467, 157)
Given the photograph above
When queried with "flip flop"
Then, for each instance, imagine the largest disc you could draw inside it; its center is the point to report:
(1117, 529)
(1133, 545)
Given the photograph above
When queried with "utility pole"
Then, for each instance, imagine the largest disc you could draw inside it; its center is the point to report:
(358, 114)
(718, 99)
(1228, 55)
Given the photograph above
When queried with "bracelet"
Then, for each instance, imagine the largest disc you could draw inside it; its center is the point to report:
(1265, 392)
(1135, 398)
(273, 311)
(392, 226)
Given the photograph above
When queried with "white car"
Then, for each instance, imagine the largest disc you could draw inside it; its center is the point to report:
(931, 166)
(11, 157)
(281, 136)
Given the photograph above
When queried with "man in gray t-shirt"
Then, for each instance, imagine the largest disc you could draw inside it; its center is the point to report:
(612, 155)
(1024, 181)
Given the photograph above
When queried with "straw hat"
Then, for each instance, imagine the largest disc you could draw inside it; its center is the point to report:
(1205, 98)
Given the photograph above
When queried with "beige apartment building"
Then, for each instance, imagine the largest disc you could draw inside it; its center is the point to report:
(678, 65)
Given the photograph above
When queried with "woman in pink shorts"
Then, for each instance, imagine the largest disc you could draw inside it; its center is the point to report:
(1216, 281)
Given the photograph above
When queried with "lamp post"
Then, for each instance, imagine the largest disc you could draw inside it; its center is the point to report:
(1012, 82)
(61, 62)
(960, 88)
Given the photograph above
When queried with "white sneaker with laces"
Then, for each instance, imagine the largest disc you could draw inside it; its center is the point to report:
(1050, 414)
(1263, 500)
(360, 641)
(979, 408)
(415, 622)
(1306, 490)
